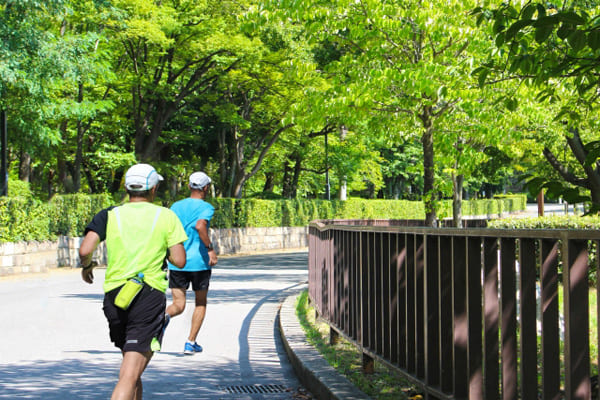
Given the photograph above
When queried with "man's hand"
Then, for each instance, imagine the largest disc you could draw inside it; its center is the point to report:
(87, 272)
(212, 257)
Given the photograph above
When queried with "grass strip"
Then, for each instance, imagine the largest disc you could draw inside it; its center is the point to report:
(384, 384)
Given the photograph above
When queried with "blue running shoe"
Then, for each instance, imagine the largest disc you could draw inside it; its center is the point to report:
(191, 348)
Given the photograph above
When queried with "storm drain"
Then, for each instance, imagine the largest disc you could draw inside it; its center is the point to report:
(244, 389)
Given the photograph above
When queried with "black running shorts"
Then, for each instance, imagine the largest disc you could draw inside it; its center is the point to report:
(136, 328)
(182, 279)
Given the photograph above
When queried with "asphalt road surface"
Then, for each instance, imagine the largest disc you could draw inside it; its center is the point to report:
(54, 341)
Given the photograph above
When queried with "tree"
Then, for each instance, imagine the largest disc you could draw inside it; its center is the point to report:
(23, 71)
(404, 61)
(167, 53)
(556, 49)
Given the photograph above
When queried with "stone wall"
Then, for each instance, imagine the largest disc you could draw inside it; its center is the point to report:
(26, 257)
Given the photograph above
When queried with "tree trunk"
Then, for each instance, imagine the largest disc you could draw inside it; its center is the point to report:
(457, 186)
(592, 172)
(269, 182)
(429, 195)
(24, 166)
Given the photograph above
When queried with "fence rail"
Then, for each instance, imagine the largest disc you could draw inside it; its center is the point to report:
(468, 313)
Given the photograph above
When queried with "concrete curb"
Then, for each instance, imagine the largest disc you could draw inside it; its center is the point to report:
(323, 381)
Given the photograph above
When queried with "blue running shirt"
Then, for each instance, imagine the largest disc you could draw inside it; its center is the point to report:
(189, 211)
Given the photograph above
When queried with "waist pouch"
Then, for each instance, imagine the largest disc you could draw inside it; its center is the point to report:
(128, 293)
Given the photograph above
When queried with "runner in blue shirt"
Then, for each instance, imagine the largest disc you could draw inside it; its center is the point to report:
(195, 215)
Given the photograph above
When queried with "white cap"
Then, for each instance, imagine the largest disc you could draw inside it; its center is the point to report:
(199, 180)
(141, 177)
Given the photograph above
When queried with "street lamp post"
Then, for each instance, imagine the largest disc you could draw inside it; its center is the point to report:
(327, 186)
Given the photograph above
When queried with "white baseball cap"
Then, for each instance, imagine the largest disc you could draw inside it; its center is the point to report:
(141, 177)
(199, 180)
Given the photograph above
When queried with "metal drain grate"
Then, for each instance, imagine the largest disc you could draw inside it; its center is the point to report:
(242, 389)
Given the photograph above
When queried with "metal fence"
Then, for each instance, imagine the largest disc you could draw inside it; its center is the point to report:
(469, 313)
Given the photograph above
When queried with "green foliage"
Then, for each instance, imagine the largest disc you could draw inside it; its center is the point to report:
(69, 214)
(554, 49)
(553, 222)
(225, 213)
(495, 206)
(558, 222)
(231, 213)
(26, 218)
(18, 188)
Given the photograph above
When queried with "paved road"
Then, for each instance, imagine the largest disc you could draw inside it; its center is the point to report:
(551, 209)
(54, 340)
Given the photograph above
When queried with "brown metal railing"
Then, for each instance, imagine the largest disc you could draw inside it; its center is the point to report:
(463, 313)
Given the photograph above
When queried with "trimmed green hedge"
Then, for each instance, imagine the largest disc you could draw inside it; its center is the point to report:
(25, 218)
(272, 213)
(557, 222)
(550, 222)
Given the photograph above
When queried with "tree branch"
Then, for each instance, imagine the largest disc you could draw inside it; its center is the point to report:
(563, 171)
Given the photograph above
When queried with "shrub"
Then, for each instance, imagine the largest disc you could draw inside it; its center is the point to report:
(557, 222)
(25, 218)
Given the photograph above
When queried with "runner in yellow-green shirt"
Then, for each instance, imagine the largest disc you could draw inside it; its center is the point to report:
(138, 236)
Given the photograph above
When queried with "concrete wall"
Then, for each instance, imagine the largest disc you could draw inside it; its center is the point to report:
(27, 257)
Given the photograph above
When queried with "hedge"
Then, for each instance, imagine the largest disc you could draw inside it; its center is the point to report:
(557, 222)
(25, 218)
(273, 213)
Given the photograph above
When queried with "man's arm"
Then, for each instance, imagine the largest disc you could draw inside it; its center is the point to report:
(86, 250)
(202, 228)
(177, 255)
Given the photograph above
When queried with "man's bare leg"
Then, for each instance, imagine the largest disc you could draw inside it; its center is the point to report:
(198, 315)
(178, 304)
(129, 385)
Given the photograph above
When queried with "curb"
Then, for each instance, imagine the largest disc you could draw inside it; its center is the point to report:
(320, 378)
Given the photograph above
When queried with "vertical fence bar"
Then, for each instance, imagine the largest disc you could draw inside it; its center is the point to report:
(432, 306)
(324, 294)
(474, 313)
(395, 261)
(358, 301)
(577, 357)
(402, 266)
(549, 314)
(353, 286)
(461, 328)
(373, 295)
(509, 318)
(336, 269)
(347, 281)
(386, 284)
(491, 325)
(330, 268)
(596, 244)
(420, 305)
(528, 318)
(410, 305)
(365, 282)
(378, 297)
(446, 325)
